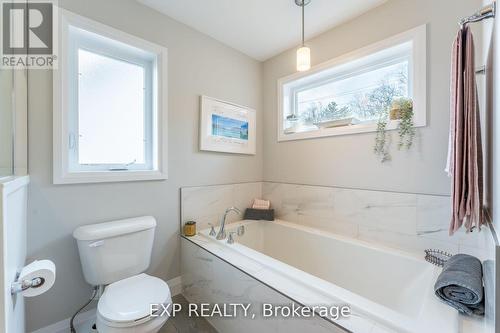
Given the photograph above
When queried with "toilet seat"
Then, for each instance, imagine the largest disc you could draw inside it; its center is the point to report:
(127, 303)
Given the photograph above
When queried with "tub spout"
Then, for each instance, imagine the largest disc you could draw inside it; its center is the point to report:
(222, 232)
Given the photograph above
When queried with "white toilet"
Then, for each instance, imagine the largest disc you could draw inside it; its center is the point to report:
(115, 255)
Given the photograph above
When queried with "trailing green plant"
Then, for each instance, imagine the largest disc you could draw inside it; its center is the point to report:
(406, 130)
(381, 148)
(403, 111)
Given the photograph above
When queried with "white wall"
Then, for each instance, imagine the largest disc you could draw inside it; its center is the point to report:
(197, 65)
(348, 161)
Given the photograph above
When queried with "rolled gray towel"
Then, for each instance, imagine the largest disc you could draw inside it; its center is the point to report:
(460, 284)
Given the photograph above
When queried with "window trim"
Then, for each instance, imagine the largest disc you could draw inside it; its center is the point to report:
(89, 44)
(62, 172)
(418, 70)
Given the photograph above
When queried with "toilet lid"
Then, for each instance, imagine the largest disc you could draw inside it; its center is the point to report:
(130, 299)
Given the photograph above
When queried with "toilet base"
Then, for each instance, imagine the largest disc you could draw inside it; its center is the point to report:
(150, 326)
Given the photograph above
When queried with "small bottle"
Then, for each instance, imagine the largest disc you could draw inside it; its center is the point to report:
(190, 228)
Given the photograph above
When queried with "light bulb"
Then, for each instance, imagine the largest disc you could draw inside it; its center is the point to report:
(303, 59)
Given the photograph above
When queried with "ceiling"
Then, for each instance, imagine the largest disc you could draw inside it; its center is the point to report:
(260, 28)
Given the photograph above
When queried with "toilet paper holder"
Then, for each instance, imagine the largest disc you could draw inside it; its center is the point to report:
(21, 285)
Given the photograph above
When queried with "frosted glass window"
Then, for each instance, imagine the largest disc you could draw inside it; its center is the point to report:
(111, 110)
(112, 116)
(110, 105)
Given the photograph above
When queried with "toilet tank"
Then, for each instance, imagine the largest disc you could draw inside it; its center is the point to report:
(115, 250)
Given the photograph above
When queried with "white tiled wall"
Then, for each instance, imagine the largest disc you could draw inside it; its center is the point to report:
(206, 204)
(407, 221)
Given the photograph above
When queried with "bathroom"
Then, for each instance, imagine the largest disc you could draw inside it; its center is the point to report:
(322, 203)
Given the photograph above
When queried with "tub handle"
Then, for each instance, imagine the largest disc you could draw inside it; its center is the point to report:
(230, 239)
(212, 230)
(241, 230)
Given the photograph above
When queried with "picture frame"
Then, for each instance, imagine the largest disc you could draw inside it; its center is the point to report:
(227, 127)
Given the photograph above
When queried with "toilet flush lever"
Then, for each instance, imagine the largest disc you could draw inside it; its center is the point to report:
(96, 244)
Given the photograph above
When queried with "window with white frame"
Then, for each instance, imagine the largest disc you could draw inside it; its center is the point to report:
(110, 105)
(351, 93)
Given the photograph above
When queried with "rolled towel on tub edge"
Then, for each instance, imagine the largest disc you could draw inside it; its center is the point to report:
(460, 284)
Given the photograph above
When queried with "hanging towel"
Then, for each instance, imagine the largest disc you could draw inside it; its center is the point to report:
(465, 161)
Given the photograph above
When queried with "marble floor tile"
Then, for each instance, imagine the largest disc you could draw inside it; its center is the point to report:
(182, 323)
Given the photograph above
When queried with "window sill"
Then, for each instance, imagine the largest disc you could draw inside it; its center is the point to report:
(107, 177)
(336, 131)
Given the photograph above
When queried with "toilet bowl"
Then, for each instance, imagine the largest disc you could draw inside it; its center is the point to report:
(115, 254)
(125, 305)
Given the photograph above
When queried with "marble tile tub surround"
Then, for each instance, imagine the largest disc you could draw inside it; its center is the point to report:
(206, 204)
(407, 221)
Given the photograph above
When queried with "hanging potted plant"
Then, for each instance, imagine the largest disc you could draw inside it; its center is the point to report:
(402, 110)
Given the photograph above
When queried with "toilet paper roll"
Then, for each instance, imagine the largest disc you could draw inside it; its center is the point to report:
(44, 269)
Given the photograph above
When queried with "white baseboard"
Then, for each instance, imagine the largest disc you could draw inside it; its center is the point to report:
(84, 320)
(175, 286)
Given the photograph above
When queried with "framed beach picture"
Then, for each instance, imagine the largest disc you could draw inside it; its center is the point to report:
(227, 127)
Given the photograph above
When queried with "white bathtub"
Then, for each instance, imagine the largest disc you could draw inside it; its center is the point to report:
(388, 290)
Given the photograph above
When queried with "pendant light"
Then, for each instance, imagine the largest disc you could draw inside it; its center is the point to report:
(303, 53)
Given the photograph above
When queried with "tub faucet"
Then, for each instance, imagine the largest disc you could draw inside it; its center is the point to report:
(222, 232)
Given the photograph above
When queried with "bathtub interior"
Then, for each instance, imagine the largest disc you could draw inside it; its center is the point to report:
(389, 278)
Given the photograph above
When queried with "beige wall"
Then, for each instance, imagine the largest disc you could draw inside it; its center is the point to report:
(348, 161)
(197, 65)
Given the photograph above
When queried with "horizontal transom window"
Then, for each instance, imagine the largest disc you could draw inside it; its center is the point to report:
(351, 93)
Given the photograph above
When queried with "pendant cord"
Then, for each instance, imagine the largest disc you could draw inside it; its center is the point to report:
(303, 5)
